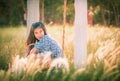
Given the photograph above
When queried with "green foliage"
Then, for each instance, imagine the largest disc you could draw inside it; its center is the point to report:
(109, 11)
(12, 11)
(54, 11)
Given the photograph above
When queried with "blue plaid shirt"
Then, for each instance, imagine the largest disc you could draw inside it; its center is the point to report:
(47, 43)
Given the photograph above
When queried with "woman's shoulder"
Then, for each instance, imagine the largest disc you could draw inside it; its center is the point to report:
(48, 37)
(44, 39)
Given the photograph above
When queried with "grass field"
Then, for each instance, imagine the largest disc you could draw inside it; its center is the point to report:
(103, 49)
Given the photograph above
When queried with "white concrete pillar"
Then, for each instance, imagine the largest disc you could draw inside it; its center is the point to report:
(80, 33)
(32, 13)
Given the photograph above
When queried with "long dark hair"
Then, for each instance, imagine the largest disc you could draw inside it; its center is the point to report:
(31, 37)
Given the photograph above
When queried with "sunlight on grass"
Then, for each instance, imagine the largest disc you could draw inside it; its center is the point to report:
(103, 49)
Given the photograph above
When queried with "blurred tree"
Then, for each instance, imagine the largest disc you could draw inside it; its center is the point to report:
(4, 12)
(115, 8)
(106, 12)
(51, 11)
(11, 12)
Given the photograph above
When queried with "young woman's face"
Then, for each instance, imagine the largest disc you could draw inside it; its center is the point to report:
(39, 33)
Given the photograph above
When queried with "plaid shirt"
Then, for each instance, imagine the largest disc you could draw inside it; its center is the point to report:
(48, 44)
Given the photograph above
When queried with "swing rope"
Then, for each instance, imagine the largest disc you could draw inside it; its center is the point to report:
(64, 24)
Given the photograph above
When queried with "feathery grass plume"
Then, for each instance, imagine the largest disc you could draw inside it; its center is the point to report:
(18, 65)
(106, 64)
(103, 49)
(111, 61)
(90, 59)
(116, 52)
(34, 63)
(59, 64)
(30, 64)
(79, 71)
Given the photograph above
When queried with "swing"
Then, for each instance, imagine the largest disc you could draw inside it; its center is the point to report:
(64, 24)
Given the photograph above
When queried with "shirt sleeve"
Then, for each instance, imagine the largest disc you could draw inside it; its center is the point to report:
(43, 45)
(47, 43)
(57, 51)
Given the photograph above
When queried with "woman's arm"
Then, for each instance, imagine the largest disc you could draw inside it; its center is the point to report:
(34, 51)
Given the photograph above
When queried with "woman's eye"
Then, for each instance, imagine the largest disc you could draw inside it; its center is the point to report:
(40, 31)
(36, 33)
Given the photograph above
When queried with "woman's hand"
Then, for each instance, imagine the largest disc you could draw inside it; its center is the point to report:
(47, 60)
(47, 64)
(34, 51)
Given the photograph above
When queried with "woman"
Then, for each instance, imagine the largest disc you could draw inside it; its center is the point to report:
(39, 42)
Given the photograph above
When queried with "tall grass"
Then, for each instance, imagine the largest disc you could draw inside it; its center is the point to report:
(12, 42)
(103, 63)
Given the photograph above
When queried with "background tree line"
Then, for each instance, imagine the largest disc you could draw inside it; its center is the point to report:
(106, 12)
